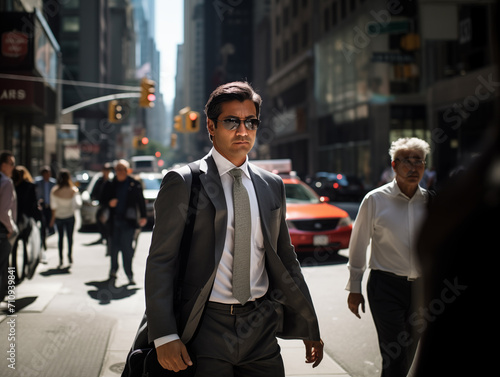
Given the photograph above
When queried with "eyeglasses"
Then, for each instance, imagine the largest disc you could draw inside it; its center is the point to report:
(411, 162)
(231, 124)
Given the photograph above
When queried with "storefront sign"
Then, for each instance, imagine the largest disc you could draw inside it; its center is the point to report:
(14, 44)
(19, 95)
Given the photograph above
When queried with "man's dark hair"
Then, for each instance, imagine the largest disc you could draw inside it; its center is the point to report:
(237, 90)
(45, 168)
(4, 156)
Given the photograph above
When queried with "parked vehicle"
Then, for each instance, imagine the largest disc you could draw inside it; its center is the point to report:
(151, 183)
(90, 205)
(314, 224)
(27, 249)
(82, 179)
(144, 164)
(337, 186)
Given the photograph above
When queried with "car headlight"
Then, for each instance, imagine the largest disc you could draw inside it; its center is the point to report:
(344, 221)
(85, 196)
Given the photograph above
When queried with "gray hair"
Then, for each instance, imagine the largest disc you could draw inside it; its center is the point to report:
(409, 143)
(122, 162)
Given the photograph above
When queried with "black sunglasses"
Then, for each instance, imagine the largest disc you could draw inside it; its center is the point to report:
(231, 124)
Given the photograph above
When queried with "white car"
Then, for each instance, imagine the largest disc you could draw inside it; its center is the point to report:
(90, 205)
(151, 183)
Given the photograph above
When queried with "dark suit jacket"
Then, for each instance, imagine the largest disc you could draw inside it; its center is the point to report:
(287, 286)
(134, 201)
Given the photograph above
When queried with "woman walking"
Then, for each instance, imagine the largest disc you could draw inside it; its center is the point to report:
(64, 201)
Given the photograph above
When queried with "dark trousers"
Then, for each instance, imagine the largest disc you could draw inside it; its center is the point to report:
(45, 220)
(121, 240)
(242, 344)
(102, 226)
(5, 249)
(67, 226)
(392, 304)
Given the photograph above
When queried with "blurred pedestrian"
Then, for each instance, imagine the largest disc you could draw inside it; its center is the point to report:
(124, 198)
(64, 201)
(27, 203)
(44, 184)
(8, 216)
(102, 214)
(389, 218)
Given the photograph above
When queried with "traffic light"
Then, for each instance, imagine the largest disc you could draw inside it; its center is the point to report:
(115, 112)
(142, 142)
(147, 93)
(178, 123)
(192, 121)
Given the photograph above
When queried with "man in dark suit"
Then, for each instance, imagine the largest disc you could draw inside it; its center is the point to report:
(124, 198)
(227, 335)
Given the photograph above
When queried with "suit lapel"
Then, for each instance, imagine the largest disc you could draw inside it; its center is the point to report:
(264, 200)
(210, 180)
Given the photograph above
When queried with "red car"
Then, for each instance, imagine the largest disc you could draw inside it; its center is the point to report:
(314, 224)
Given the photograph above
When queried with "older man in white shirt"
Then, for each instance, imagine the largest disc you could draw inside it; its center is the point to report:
(389, 218)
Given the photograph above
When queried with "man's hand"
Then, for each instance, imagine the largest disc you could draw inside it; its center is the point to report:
(142, 222)
(314, 351)
(173, 356)
(353, 302)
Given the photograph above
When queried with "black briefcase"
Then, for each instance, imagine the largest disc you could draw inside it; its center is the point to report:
(143, 362)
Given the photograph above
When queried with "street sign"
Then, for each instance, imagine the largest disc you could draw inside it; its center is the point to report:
(394, 27)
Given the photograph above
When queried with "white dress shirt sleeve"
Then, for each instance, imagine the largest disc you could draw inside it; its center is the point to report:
(360, 239)
(165, 339)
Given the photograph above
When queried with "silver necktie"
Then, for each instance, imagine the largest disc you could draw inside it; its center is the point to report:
(242, 232)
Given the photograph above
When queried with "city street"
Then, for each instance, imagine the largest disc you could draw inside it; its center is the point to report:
(72, 322)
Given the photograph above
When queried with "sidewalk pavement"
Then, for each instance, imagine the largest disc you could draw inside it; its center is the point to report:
(293, 353)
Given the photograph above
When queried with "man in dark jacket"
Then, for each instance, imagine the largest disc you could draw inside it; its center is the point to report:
(124, 197)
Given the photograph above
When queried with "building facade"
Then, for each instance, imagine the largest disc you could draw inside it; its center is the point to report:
(374, 71)
(29, 89)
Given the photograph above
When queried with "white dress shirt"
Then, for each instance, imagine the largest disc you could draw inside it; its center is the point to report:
(259, 281)
(222, 290)
(8, 204)
(391, 221)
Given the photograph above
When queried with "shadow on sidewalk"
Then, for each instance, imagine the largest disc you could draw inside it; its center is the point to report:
(107, 291)
(20, 304)
(56, 271)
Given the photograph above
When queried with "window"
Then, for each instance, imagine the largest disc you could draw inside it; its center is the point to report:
(305, 34)
(71, 24)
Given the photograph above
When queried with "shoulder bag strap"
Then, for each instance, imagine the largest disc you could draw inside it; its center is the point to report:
(190, 220)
